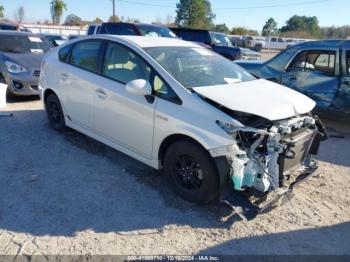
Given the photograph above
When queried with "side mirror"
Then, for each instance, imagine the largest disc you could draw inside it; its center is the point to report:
(139, 87)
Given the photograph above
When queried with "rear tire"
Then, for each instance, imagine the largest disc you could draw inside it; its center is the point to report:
(55, 113)
(191, 172)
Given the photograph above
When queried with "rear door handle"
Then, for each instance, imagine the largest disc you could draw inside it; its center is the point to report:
(101, 94)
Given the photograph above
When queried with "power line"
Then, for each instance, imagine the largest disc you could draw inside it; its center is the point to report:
(272, 6)
(232, 8)
(145, 4)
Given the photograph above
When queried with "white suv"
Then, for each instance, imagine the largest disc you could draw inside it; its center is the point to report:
(177, 106)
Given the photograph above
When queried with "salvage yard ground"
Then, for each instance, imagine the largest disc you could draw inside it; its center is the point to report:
(63, 193)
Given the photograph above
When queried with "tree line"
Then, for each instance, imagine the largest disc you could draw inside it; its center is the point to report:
(198, 14)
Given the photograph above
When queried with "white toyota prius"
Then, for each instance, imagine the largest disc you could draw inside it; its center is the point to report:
(184, 109)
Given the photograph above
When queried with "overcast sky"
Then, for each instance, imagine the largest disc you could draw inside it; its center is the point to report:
(248, 13)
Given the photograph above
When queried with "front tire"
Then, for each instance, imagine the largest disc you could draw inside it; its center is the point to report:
(191, 172)
(55, 113)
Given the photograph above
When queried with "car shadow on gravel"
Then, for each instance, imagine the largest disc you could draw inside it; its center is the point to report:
(336, 150)
(22, 99)
(63, 183)
(333, 240)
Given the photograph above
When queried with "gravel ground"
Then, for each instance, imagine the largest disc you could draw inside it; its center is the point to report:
(65, 194)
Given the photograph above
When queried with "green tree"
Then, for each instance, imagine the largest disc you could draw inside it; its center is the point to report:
(194, 14)
(2, 9)
(97, 20)
(333, 32)
(73, 19)
(243, 31)
(222, 28)
(57, 8)
(308, 24)
(270, 27)
(114, 18)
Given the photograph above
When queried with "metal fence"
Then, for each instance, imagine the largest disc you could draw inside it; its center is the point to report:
(56, 29)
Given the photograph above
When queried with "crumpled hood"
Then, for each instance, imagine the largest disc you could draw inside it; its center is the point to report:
(28, 60)
(259, 97)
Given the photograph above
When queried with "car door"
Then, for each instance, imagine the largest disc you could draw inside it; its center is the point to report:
(342, 101)
(77, 82)
(120, 117)
(315, 73)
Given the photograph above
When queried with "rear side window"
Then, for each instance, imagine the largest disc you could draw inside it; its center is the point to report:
(111, 29)
(126, 30)
(318, 61)
(64, 53)
(85, 55)
(91, 30)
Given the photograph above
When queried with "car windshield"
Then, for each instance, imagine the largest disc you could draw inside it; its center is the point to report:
(156, 31)
(52, 38)
(196, 66)
(221, 39)
(23, 44)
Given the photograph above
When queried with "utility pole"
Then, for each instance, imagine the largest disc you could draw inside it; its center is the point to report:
(113, 10)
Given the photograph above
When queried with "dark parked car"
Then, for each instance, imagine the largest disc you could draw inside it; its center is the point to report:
(219, 43)
(318, 69)
(136, 29)
(8, 26)
(56, 39)
(20, 59)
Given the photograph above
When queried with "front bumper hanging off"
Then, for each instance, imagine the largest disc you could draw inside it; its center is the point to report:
(248, 204)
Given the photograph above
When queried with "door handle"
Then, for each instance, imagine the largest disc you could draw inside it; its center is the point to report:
(63, 76)
(101, 94)
(293, 79)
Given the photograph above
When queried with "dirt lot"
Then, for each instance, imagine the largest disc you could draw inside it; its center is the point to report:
(67, 194)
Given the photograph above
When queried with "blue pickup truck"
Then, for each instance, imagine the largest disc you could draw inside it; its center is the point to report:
(216, 41)
(318, 69)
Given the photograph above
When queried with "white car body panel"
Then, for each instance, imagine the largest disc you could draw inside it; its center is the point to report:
(123, 118)
(252, 96)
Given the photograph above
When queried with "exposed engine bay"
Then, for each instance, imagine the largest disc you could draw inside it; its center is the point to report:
(267, 152)
(262, 158)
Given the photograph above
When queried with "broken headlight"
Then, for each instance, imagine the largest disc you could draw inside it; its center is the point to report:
(229, 128)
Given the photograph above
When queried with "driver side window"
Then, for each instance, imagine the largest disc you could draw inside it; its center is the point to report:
(318, 61)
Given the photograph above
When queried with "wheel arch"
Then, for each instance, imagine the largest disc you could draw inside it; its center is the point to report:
(48, 92)
(220, 163)
(169, 140)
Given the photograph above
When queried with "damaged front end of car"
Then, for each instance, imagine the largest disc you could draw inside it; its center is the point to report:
(269, 158)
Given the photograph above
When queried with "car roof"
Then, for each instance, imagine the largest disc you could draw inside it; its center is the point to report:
(10, 32)
(135, 24)
(146, 41)
(49, 34)
(325, 43)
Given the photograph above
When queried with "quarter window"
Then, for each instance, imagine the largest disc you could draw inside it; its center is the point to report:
(85, 55)
(318, 61)
(64, 53)
(91, 30)
(123, 65)
(162, 90)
